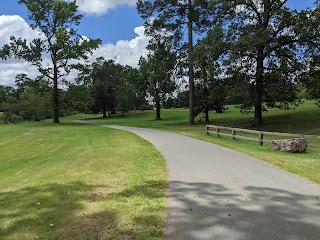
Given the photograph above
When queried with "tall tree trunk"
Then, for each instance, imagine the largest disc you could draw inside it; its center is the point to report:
(35, 117)
(158, 108)
(206, 111)
(55, 94)
(206, 95)
(104, 112)
(191, 74)
(259, 90)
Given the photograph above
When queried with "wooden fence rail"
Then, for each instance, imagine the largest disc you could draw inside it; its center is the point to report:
(260, 134)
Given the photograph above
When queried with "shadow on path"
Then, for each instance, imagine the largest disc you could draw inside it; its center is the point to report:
(215, 212)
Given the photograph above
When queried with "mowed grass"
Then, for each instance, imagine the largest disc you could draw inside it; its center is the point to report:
(73, 181)
(305, 119)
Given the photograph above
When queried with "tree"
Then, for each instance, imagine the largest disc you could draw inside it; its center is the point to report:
(138, 87)
(210, 84)
(39, 84)
(158, 70)
(130, 91)
(169, 103)
(265, 50)
(312, 82)
(182, 99)
(174, 16)
(78, 99)
(56, 20)
(35, 105)
(103, 78)
(31, 100)
(5, 92)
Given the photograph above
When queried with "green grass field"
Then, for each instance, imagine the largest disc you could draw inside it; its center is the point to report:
(305, 120)
(73, 181)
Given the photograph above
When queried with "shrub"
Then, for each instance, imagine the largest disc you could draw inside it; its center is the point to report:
(11, 118)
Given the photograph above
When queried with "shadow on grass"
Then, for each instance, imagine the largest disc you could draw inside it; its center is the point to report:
(211, 211)
(200, 211)
(58, 211)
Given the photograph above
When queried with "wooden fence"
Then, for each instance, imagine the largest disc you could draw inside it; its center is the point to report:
(260, 138)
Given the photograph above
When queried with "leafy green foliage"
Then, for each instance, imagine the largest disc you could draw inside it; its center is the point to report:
(139, 87)
(31, 100)
(103, 77)
(211, 86)
(158, 71)
(182, 99)
(131, 90)
(113, 87)
(5, 92)
(10, 118)
(313, 84)
(78, 99)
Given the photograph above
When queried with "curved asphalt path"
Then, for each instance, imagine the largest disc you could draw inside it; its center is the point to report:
(218, 193)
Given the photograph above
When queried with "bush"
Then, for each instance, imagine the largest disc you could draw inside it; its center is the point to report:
(11, 118)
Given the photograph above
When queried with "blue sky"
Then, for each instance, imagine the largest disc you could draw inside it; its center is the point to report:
(115, 22)
(114, 25)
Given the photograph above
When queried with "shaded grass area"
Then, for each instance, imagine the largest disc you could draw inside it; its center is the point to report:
(305, 119)
(73, 181)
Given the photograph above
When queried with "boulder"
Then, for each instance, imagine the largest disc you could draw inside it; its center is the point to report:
(296, 145)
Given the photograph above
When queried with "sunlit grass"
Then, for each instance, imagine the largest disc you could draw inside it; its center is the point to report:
(73, 181)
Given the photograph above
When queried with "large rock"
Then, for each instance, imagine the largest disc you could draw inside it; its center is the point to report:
(296, 145)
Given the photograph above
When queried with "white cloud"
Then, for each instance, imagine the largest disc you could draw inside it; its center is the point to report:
(15, 26)
(99, 7)
(125, 52)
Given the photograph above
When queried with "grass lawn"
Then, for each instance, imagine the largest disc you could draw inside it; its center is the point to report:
(73, 181)
(304, 119)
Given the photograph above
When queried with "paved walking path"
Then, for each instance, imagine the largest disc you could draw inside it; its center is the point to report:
(218, 193)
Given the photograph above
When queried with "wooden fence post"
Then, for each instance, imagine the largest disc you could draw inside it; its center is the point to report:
(218, 130)
(208, 128)
(261, 138)
(233, 134)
